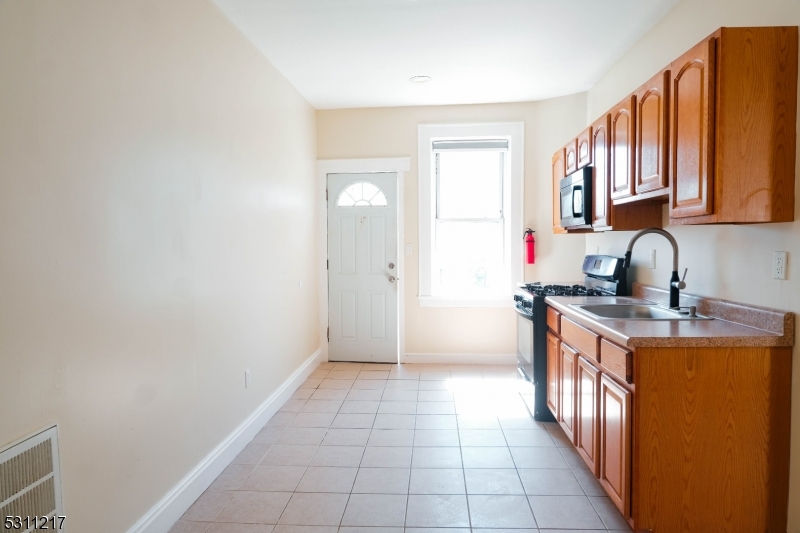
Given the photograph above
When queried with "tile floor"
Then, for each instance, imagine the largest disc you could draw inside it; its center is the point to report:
(366, 448)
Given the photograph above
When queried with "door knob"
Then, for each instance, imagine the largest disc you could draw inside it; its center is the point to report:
(392, 279)
(391, 265)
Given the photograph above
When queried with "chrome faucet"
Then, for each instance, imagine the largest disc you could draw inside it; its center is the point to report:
(676, 284)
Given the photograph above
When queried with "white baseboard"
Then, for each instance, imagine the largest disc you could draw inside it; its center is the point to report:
(461, 358)
(171, 507)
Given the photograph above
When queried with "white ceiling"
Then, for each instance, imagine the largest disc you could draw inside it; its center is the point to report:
(361, 53)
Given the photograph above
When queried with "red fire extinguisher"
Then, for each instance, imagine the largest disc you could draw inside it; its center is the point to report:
(530, 245)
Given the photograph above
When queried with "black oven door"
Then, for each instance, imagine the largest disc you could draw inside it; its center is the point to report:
(525, 344)
(532, 355)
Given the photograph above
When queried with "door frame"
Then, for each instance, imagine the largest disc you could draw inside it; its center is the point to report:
(396, 165)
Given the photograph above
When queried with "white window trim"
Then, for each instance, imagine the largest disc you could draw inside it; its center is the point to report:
(427, 133)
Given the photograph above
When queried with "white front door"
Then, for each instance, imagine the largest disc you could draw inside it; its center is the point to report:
(362, 267)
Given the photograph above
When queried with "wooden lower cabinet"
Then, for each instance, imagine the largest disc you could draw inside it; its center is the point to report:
(711, 433)
(553, 374)
(588, 394)
(690, 439)
(569, 366)
(615, 442)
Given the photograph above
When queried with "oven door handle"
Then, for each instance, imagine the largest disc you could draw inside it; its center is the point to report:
(524, 314)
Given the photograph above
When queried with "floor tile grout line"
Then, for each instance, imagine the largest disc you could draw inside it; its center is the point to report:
(463, 472)
(410, 465)
(293, 492)
(516, 469)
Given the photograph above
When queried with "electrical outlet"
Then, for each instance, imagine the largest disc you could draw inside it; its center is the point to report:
(652, 263)
(299, 284)
(779, 264)
(408, 249)
(596, 250)
(246, 379)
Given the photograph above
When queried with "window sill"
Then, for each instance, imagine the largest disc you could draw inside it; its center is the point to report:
(441, 301)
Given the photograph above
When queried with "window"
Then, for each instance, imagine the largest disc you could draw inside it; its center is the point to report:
(470, 214)
(468, 234)
(362, 194)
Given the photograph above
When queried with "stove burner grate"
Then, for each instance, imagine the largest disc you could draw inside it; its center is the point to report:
(561, 290)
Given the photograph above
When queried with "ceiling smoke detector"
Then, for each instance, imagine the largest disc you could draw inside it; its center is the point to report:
(419, 79)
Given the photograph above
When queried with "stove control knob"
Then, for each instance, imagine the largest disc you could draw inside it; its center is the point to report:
(517, 298)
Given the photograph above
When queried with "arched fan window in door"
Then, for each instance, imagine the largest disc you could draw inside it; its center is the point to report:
(362, 194)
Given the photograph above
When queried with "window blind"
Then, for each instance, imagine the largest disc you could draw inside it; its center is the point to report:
(471, 144)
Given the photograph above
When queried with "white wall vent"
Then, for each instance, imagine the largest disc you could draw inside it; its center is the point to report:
(30, 481)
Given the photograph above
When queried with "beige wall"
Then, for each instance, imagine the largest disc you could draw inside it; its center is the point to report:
(392, 132)
(156, 216)
(725, 261)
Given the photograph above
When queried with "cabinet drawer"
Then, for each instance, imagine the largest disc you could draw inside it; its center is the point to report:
(554, 320)
(617, 361)
(581, 338)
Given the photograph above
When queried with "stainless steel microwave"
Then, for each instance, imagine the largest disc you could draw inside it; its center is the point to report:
(576, 199)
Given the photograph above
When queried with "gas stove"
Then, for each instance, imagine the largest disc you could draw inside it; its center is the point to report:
(604, 276)
(537, 289)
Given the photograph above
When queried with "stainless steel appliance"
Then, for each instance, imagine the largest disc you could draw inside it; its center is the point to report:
(576, 199)
(604, 276)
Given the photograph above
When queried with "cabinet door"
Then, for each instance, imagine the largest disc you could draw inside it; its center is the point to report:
(585, 148)
(569, 367)
(652, 134)
(558, 174)
(588, 394)
(615, 442)
(602, 172)
(623, 139)
(553, 377)
(692, 126)
(571, 156)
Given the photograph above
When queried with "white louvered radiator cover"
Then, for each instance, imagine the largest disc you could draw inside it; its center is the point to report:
(30, 481)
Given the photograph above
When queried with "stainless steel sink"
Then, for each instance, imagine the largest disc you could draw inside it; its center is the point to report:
(634, 312)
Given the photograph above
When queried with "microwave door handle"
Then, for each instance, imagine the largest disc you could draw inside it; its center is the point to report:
(577, 190)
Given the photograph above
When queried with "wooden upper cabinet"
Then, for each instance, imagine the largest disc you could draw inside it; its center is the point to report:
(622, 139)
(714, 133)
(733, 131)
(692, 143)
(585, 148)
(606, 216)
(652, 134)
(615, 443)
(571, 157)
(601, 173)
(558, 169)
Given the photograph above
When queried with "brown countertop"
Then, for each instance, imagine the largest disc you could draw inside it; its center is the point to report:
(763, 327)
